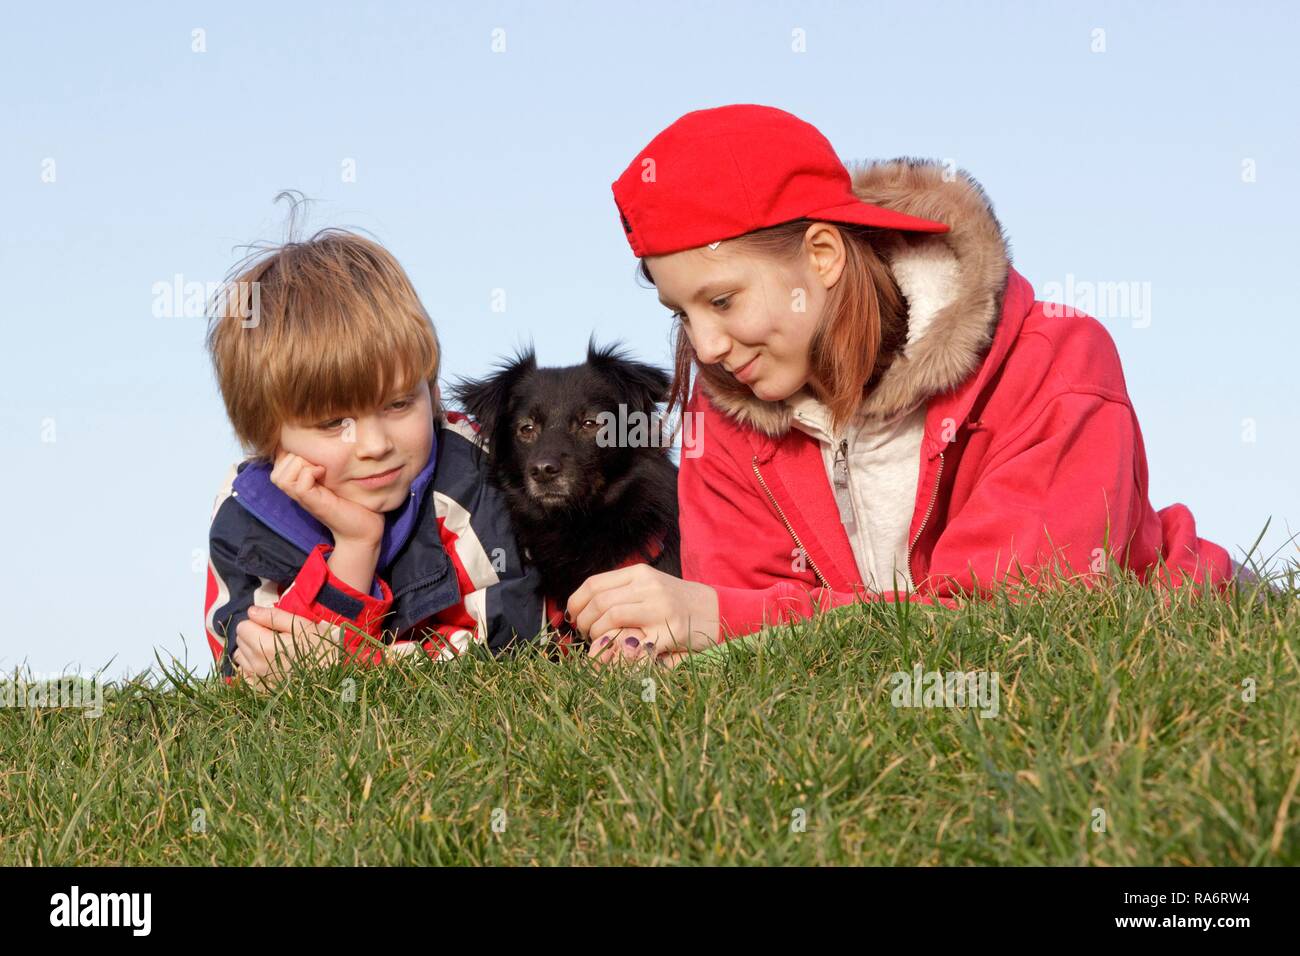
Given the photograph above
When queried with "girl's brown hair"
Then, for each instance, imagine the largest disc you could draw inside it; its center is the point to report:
(315, 330)
(863, 326)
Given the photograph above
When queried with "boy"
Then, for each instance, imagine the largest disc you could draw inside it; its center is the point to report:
(362, 503)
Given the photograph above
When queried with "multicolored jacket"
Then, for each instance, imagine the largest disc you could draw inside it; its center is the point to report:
(449, 573)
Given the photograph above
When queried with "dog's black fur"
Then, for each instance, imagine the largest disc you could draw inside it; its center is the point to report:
(578, 508)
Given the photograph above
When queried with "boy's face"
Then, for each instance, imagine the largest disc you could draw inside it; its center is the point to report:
(397, 436)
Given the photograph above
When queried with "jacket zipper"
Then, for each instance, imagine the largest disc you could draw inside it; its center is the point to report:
(788, 527)
(934, 495)
(842, 464)
(843, 493)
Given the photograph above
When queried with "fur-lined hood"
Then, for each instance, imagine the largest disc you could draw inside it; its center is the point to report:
(953, 283)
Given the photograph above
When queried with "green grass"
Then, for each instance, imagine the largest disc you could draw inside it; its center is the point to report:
(1111, 700)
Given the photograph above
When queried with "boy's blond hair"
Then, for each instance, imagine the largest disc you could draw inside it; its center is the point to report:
(310, 331)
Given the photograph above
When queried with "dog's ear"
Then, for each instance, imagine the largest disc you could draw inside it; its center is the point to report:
(487, 399)
(645, 386)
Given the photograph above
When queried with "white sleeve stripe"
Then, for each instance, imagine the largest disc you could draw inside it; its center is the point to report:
(461, 641)
(476, 607)
(267, 593)
(475, 560)
(465, 430)
(227, 489)
(222, 598)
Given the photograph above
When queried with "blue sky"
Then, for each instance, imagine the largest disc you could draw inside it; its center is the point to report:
(1168, 159)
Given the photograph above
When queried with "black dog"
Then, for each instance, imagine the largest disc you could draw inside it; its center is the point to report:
(583, 463)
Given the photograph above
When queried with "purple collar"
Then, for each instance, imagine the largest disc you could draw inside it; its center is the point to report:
(291, 521)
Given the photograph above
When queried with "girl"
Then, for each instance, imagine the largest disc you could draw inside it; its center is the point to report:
(886, 412)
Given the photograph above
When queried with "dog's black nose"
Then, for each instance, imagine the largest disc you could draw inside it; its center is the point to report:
(544, 470)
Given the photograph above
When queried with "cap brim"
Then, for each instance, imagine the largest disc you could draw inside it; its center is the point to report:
(864, 214)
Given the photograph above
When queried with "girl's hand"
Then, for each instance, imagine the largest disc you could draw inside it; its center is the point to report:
(669, 614)
(348, 521)
(624, 645)
(672, 658)
(271, 642)
(628, 645)
(615, 648)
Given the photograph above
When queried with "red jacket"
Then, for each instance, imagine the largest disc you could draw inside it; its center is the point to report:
(1032, 451)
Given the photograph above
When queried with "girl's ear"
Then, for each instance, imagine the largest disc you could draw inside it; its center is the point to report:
(487, 400)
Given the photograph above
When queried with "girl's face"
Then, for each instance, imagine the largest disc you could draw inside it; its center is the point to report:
(750, 314)
(397, 435)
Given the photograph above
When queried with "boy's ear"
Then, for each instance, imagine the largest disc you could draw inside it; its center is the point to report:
(645, 386)
(488, 399)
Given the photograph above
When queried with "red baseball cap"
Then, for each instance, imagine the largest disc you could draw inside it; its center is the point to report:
(719, 173)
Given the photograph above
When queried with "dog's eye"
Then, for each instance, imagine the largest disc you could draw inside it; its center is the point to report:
(526, 428)
(590, 424)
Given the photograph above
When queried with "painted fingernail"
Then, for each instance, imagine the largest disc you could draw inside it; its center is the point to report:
(631, 642)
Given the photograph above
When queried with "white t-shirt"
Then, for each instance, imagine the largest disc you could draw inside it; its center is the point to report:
(873, 468)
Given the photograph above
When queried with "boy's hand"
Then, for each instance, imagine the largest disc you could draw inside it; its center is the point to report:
(270, 642)
(348, 521)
